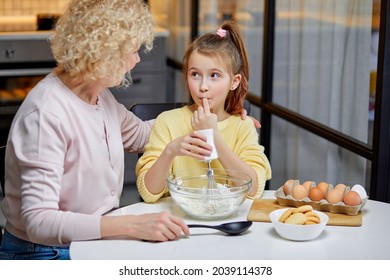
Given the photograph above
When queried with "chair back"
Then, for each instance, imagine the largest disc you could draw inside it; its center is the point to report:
(2, 168)
(149, 111)
(2, 179)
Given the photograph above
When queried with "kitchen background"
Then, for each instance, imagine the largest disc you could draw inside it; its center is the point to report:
(325, 64)
(20, 15)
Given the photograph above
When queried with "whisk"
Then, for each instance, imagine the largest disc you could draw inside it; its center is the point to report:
(210, 176)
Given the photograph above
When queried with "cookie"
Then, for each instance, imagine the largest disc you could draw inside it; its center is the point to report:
(296, 219)
(303, 209)
(313, 219)
(312, 214)
(310, 223)
(285, 215)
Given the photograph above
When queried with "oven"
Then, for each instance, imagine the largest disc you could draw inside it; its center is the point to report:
(25, 59)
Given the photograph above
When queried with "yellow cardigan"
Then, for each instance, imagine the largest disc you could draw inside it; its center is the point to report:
(240, 135)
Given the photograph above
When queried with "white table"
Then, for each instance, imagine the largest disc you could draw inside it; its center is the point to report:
(261, 242)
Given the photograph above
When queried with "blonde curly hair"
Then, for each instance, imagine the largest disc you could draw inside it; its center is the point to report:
(94, 38)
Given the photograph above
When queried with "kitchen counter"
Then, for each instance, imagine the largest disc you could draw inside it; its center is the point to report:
(260, 242)
(25, 35)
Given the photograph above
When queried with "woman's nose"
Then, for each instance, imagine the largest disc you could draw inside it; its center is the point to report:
(137, 58)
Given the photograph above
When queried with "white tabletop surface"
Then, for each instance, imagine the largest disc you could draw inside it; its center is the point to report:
(369, 241)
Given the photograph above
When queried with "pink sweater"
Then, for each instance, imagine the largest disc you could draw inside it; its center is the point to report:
(65, 163)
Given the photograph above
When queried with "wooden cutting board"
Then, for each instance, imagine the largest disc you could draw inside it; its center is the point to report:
(261, 208)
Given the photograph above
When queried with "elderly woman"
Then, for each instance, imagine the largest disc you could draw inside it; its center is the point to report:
(65, 151)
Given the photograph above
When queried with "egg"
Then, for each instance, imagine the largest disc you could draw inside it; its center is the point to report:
(352, 198)
(299, 192)
(323, 186)
(335, 196)
(288, 186)
(316, 194)
(340, 186)
(360, 190)
(308, 184)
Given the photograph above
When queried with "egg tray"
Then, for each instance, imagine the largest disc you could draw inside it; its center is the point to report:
(322, 205)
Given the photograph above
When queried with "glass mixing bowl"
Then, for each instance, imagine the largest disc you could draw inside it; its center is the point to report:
(190, 190)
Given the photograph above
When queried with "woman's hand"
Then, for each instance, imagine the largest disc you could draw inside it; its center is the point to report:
(153, 227)
(203, 118)
(157, 227)
(244, 114)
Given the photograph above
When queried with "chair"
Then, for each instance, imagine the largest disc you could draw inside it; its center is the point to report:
(148, 111)
(2, 167)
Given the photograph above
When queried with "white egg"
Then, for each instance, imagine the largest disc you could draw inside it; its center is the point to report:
(360, 190)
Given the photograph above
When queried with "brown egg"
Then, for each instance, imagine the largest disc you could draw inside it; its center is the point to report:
(340, 186)
(335, 196)
(352, 198)
(315, 194)
(308, 184)
(323, 186)
(299, 192)
(287, 187)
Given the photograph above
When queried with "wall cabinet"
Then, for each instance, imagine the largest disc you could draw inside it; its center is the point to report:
(149, 80)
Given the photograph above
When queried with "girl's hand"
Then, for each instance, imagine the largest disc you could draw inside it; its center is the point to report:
(193, 145)
(203, 118)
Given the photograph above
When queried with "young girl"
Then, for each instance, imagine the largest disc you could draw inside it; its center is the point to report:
(216, 72)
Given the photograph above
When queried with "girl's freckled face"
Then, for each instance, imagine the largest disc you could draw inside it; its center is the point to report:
(208, 78)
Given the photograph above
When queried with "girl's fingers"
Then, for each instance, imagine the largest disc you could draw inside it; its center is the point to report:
(206, 105)
(198, 150)
(195, 147)
(199, 141)
(199, 135)
(200, 110)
